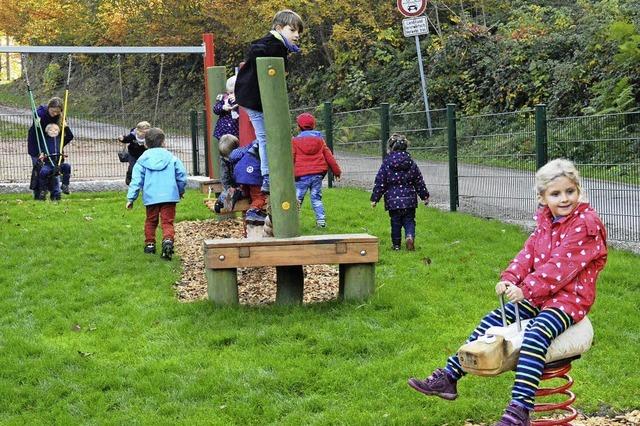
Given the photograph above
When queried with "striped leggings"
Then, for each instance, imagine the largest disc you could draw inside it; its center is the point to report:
(546, 325)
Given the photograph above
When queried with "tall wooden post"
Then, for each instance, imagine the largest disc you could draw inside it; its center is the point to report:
(209, 61)
(275, 104)
(216, 84)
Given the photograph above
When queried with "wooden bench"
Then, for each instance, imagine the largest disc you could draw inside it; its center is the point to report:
(356, 255)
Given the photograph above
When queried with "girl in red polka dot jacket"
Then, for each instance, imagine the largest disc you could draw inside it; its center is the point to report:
(553, 281)
(400, 181)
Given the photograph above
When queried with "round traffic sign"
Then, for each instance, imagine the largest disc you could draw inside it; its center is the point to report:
(412, 7)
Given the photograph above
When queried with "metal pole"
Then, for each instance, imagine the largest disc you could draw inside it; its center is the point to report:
(423, 81)
(453, 157)
(328, 133)
(542, 154)
(102, 49)
(384, 128)
(8, 61)
(194, 142)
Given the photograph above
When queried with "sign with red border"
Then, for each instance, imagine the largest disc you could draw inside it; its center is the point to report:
(412, 7)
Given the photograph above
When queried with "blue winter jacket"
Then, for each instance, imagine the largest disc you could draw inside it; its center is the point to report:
(161, 176)
(400, 180)
(247, 165)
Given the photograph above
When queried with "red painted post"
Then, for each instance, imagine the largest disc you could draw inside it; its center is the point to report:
(247, 135)
(209, 61)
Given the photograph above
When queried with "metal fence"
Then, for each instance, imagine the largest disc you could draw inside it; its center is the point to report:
(482, 164)
(93, 151)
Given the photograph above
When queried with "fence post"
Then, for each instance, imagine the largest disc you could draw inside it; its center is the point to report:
(542, 154)
(195, 151)
(206, 137)
(384, 128)
(453, 157)
(328, 134)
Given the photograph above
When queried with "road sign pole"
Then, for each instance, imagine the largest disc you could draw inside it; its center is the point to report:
(423, 80)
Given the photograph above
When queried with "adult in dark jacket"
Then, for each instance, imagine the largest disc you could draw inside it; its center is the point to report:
(400, 181)
(51, 162)
(47, 114)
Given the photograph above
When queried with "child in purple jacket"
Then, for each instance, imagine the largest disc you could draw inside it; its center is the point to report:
(400, 181)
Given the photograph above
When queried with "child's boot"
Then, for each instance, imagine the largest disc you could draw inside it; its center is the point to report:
(396, 244)
(150, 248)
(515, 415)
(321, 223)
(65, 188)
(167, 249)
(265, 184)
(409, 242)
(439, 383)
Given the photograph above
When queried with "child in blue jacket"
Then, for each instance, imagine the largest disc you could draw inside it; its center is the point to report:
(400, 181)
(163, 179)
(246, 173)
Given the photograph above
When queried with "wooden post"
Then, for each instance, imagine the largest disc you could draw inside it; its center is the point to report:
(356, 281)
(222, 287)
(216, 84)
(289, 284)
(275, 104)
(209, 61)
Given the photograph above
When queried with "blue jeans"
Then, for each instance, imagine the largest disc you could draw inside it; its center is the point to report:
(313, 184)
(402, 218)
(257, 121)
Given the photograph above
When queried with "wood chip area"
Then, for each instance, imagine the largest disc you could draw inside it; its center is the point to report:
(256, 286)
(626, 419)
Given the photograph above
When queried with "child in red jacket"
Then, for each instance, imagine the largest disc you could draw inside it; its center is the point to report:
(553, 281)
(311, 161)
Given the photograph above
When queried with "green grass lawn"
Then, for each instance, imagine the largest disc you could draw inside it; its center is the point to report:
(92, 333)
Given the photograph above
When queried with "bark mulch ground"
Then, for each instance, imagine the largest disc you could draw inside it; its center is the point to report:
(257, 286)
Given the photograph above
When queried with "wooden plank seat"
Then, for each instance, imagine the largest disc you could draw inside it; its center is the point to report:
(356, 255)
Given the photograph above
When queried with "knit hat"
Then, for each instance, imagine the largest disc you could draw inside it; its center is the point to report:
(306, 121)
(397, 142)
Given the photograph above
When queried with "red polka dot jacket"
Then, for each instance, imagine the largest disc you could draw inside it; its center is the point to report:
(560, 262)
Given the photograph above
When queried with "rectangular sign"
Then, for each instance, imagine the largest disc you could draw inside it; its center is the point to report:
(415, 26)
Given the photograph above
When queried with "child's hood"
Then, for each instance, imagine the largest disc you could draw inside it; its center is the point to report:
(399, 160)
(307, 142)
(156, 158)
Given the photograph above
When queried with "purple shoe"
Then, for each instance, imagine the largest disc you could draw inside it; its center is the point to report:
(514, 415)
(438, 383)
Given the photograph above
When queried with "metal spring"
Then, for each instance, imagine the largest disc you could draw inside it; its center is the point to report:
(565, 406)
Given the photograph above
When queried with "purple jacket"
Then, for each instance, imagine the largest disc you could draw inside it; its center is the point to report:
(400, 180)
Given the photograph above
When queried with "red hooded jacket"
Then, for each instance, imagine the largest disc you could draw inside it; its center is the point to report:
(560, 262)
(312, 156)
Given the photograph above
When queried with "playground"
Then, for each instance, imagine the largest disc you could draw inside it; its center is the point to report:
(95, 332)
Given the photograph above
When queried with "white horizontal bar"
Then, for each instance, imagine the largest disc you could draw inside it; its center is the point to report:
(102, 49)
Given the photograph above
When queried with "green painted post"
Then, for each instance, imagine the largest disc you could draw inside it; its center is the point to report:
(453, 157)
(542, 153)
(222, 286)
(275, 104)
(328, 133)
(195, 152)
(356, 281)
(216, 84)
(282, 198)
(384, 128)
